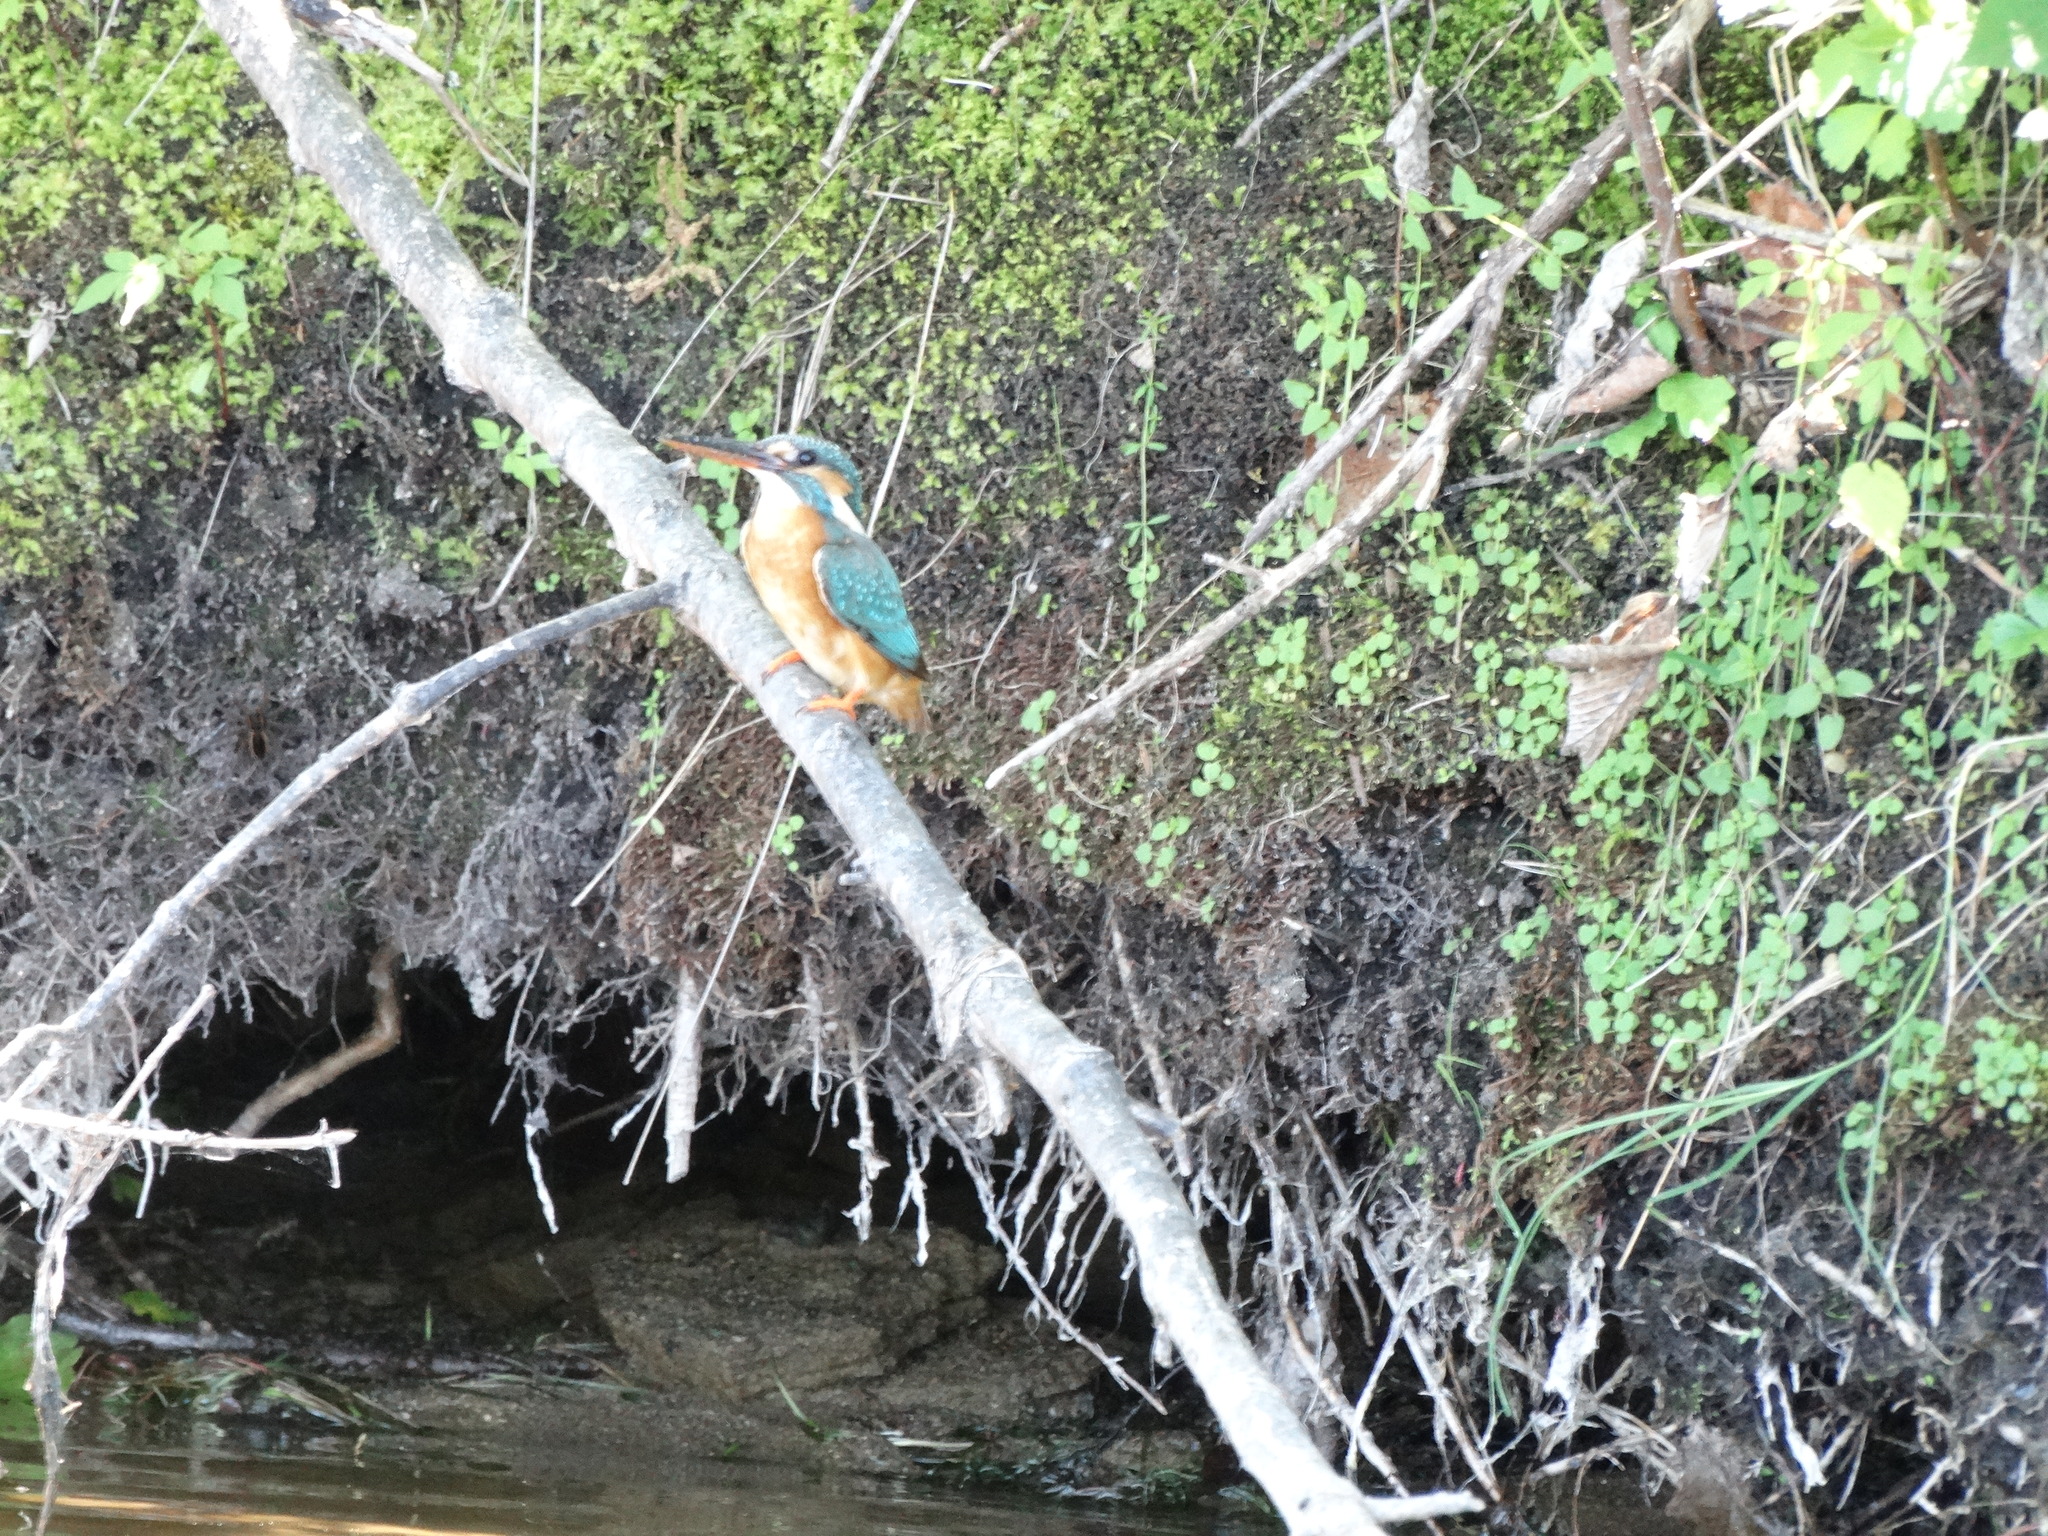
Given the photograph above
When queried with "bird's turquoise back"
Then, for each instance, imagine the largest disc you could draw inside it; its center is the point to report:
(859, 587)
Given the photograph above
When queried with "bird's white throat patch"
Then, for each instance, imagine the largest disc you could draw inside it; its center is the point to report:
(780, 500)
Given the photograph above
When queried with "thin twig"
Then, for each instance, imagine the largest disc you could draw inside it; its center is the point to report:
(1679, 291)
(533, 169)
(410, 706)
(924, 337)
(114, 1132)
(1318, 70)
(675, 780)
(383, 1035)
(1481, 301)
(867, 83)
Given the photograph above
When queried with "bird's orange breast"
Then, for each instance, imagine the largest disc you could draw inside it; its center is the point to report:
(781, 541)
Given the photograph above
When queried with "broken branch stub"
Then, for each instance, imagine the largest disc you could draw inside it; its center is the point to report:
(975, 980)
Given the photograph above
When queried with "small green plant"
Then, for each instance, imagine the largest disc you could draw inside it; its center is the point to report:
(1062, 838)
(521, 458)
(1212, 777)
(1141, 567)
(17, 1358)
(1157, 850)
(783, 840)
(214, 278)
(152, 1308)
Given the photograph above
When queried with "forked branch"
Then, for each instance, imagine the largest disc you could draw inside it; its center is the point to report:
(980, 988)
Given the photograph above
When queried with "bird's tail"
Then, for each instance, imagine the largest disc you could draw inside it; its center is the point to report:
(904, 698)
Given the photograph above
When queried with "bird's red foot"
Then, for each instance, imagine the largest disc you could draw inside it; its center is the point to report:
(845, 703)
(786, 659)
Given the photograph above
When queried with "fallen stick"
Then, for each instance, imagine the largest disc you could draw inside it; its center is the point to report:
(1316, 71)
(868, 78)
(410, 706)
(113, 1132)
(1819, 240)
(383, 1035)
(1679, 291)
(979, 986)
(1482, 302)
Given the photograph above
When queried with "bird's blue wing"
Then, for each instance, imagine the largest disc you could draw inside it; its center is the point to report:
(862, 591)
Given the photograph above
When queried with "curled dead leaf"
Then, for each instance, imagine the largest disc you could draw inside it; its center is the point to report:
(1378, 449)
(1579, 357)
(2023, 337)
(1615, 672)
(1636, 372)
(1813, 414)
(1408, 138)
(1702, 530)
(41, 336)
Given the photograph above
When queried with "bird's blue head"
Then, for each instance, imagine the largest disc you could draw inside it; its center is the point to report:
(819, 472)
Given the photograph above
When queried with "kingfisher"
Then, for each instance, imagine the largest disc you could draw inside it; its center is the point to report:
(823, 580)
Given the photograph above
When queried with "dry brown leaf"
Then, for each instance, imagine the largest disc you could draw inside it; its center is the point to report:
(1580, 370)
(1777, 316)
(2023, 336)
(1366, 462)
(1638, 370)
(1615, 672)
(1702, 530)
(1408, 138)
(1813, 414)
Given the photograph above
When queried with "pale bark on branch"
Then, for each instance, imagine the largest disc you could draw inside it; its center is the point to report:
(1481, 302)
(979, 986)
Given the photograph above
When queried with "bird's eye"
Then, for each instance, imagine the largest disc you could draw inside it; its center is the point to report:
(807, 457)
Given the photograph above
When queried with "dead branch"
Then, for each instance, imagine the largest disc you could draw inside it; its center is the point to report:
(1679, 291)
(1314, 74)
(867, 83)
(1819, 240)
(1482, 302)
(383, 1035)
(364, 31)
(113, 1132)
(410, 706)
(979, 986)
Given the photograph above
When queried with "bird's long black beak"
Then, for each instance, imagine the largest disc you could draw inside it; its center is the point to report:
(724, 450)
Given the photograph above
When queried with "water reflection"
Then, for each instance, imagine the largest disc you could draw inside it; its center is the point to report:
(378, 1485)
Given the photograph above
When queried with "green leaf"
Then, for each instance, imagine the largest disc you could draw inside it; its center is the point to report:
(1627, 441)
(1827, 732)
(1468, 200)
(1033, 718)
(1875, 503)
(1800, 702)
(99, 290)
(1891, 152)
(1699, 406)
(2011, 34)
(152, 1308)
(1852, 684)
(1847, 131)
(205, 240)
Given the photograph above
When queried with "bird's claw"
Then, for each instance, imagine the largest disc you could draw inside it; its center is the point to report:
(786, 659)
(846, 705)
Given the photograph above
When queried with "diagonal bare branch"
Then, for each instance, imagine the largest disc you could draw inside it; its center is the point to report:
(980, 988)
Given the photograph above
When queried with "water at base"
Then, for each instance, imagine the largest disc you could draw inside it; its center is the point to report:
(383, 1485)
